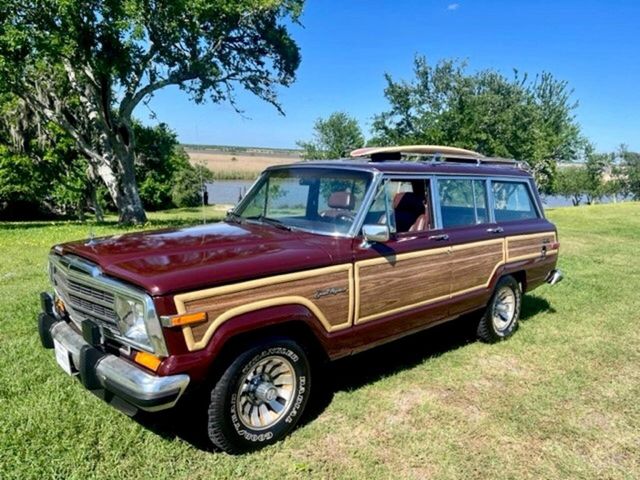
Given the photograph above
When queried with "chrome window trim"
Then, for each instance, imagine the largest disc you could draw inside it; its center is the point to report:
(356, 226)
(379, 176)
(92, 275)
(472, 179)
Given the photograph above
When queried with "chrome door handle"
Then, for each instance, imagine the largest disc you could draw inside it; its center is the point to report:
(444, 236)
(495, 230)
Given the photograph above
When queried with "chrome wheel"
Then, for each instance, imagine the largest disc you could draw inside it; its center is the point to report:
(265, 394)
(504, 309)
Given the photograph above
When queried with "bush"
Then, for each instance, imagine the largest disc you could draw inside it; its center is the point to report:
(188, 184)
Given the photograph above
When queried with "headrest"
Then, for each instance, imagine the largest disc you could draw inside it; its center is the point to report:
(342, 200)
(408, 202)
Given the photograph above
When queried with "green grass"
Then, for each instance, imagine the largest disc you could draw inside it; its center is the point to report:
(558, 400)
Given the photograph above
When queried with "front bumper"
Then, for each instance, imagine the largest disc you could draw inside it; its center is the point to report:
(98, 370)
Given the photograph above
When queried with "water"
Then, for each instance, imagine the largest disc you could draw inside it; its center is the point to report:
(229, 192)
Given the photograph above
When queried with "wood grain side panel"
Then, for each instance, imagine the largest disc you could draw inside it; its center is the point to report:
(528, 246)
(335, 307)
(390, 285)
(473, 267)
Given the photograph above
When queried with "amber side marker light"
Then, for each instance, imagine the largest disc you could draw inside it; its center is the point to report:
(147, 360)
(184, 319)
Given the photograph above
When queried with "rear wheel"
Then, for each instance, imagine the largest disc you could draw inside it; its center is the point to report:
(260, 397)
(500, 319)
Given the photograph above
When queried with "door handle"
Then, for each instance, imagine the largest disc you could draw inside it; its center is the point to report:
(444, 236)
(495, 230)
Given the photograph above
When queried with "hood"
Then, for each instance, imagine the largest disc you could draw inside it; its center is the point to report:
(174, 260)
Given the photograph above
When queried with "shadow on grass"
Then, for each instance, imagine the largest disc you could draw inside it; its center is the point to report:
(188, 422)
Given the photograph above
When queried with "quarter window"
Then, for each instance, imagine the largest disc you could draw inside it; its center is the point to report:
(462, 202)
(512, 201)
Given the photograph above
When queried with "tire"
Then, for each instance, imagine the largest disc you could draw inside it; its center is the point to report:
(500, 318)
(260, 397)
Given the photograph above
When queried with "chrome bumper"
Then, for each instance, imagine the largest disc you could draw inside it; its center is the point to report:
(118, 376)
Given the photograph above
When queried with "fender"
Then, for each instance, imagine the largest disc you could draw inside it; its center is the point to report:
(198, 363)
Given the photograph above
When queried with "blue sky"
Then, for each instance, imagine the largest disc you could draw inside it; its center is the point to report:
(347, 46)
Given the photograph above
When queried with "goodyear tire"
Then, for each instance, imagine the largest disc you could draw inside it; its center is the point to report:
(260, 397)
(500, 319)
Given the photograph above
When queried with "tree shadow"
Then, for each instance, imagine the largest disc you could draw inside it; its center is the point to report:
(188, 421)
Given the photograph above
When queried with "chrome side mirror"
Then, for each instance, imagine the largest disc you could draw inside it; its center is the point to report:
(376, 233)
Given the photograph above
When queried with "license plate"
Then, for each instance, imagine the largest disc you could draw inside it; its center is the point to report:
(63, 357)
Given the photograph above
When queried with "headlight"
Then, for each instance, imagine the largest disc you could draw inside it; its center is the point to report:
(131, 322)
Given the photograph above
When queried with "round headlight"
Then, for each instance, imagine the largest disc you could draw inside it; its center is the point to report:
(131, 322)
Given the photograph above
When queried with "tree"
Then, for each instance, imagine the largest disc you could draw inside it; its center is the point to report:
(159, 157)
(596, 165)
(529, 120)
(630, 171)
(333, 137)
(85, 65)
(188, 185)
(572, 182)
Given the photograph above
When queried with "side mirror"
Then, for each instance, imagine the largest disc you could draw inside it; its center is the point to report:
(376, 233)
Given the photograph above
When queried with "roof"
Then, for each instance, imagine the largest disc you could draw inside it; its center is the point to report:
(423, 159)
(408, 168)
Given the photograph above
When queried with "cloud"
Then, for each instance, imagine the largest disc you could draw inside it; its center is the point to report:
(453, 6)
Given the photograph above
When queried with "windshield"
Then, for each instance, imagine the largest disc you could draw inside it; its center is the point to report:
(315, 199)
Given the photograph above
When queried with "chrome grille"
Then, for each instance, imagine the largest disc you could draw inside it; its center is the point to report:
(88, 293)
(84, 301)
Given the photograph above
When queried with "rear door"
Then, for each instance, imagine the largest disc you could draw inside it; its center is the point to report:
(477, 243)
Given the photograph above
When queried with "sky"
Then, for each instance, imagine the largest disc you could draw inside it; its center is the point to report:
(347, 46)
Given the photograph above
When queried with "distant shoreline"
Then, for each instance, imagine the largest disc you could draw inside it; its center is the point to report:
(239, 163)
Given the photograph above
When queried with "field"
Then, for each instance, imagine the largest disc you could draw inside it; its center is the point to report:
(237, 163)
(558, 400)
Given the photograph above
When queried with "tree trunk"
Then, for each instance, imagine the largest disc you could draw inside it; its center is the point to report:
(97, 208)
(124, 192)
(117, 171)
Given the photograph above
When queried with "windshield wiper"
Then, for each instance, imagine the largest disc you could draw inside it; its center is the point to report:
(272, 221)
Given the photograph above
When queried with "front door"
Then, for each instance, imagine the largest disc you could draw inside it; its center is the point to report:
(409, 276)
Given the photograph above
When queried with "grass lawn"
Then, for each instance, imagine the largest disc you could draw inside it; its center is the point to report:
(561, 399)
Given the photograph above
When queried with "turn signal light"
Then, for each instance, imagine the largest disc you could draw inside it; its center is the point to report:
(185, 319)
(147, 360)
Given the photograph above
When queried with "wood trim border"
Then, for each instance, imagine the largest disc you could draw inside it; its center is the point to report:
(532, 236)
(423, 253)
(181, 299)
(353, 271)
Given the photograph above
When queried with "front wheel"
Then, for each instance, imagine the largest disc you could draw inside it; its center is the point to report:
(260, 397)
(500, 319)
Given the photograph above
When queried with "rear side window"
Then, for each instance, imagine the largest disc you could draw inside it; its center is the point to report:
(462, 202)
(512, 201)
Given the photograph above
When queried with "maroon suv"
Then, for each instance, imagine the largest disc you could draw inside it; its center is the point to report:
(319, 260)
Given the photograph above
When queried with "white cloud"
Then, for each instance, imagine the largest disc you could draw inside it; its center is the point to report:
(453, 6)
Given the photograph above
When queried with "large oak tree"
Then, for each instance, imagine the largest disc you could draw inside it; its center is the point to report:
(85, 65)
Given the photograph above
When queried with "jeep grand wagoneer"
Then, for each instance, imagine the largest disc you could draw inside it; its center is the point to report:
(319, 260)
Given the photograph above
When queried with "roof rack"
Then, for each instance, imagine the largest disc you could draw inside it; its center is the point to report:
(436, 153)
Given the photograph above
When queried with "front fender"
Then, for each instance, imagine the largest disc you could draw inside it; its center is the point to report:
(198, 363)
